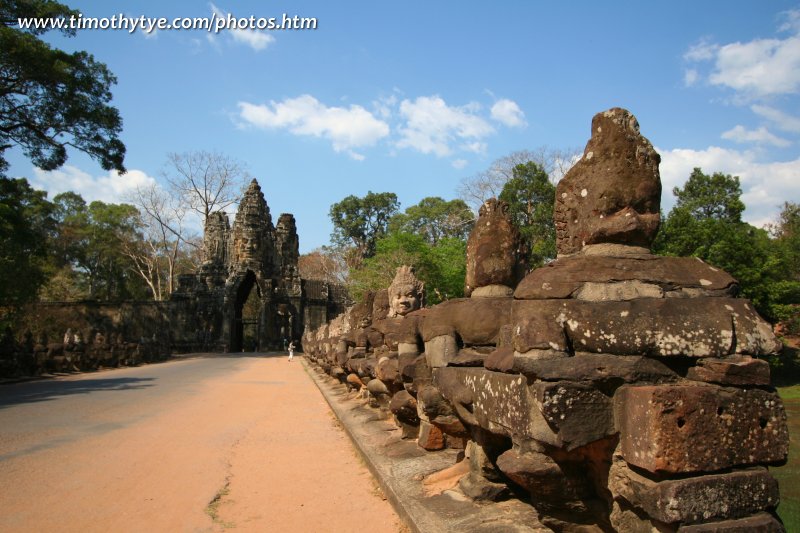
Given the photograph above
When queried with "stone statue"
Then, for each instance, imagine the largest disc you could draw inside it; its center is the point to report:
(495, 261)
(613, 194)
(405, 292)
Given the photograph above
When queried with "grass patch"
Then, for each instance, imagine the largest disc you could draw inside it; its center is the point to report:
(212, 509)
(788, 476)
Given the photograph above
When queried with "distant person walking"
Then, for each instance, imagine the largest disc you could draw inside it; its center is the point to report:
(291, 350)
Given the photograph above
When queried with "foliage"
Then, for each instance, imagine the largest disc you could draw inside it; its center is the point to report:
(360, 222)
(88, 258)
(531, 196)
(442, 267)
(434, 219)
(26, 221)
(714, 197)
(706, 223)
(51, 99)
(785, 295)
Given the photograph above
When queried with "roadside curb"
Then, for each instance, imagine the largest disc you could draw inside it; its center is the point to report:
(399, 467)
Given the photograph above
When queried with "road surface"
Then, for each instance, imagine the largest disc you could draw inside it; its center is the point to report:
(200, 444)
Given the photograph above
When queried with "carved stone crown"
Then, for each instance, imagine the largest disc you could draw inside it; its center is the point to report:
(405, 276)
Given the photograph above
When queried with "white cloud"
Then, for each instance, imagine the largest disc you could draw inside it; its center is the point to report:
(346, 128)
(762, 67)
(702, 51)
(476, 147)
(432, 126)
(792, 23)
(459, 163)
(255, 39)
(765, 185)
(782, 121)
(384, 106)
(690, 77)
(740, 134)
(508, 112)
(109, 188)
(753, 69)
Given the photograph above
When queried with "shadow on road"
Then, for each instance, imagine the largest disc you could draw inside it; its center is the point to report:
(48, 390)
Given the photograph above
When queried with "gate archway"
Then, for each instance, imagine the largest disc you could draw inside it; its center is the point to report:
(246, 319)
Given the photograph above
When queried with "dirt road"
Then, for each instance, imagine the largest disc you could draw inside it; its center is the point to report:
(197, 445)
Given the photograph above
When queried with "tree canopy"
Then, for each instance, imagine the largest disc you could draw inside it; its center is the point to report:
(442, 267)
(50, 99)
(531, 197)
(434, 219)
(706, 197)
(26, 222)
(360, 222)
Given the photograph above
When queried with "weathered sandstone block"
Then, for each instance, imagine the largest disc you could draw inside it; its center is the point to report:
(430, 437)
(737, 370)
(565, 277)
(699, 428)
(604, 370)
(696, 499)
(476, 321)
(758, 523)
(578, 414)
(697, 327)
(547, 480)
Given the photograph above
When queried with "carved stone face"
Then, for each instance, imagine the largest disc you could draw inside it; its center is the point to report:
(404, 299)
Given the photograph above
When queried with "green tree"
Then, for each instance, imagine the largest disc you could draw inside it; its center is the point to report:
(26, 220)
(787, 237)
(89, 246)
(110, 228)
(785, 294)
(358, 223)
(714, 197)
(531, 196)
(51, 99)
(435, 219)
(442, 267)
(66, 243)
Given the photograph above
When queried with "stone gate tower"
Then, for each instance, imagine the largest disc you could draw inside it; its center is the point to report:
(253, 255)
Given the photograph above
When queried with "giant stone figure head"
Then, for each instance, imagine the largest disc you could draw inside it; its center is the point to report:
(405, 292)
(613, 194)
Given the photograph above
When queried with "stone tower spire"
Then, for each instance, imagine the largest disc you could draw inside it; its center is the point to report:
(252, 240)
(215, 239)
(287, 246)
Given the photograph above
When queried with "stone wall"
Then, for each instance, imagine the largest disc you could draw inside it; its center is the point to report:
(79, 336)
(613, 389)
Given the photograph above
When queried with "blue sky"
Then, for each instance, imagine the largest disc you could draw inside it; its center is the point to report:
(414, 97)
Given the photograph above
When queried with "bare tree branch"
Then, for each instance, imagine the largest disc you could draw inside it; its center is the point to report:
(205, 181)
(489, 183)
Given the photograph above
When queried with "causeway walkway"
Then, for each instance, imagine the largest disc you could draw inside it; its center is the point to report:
(210, 443)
